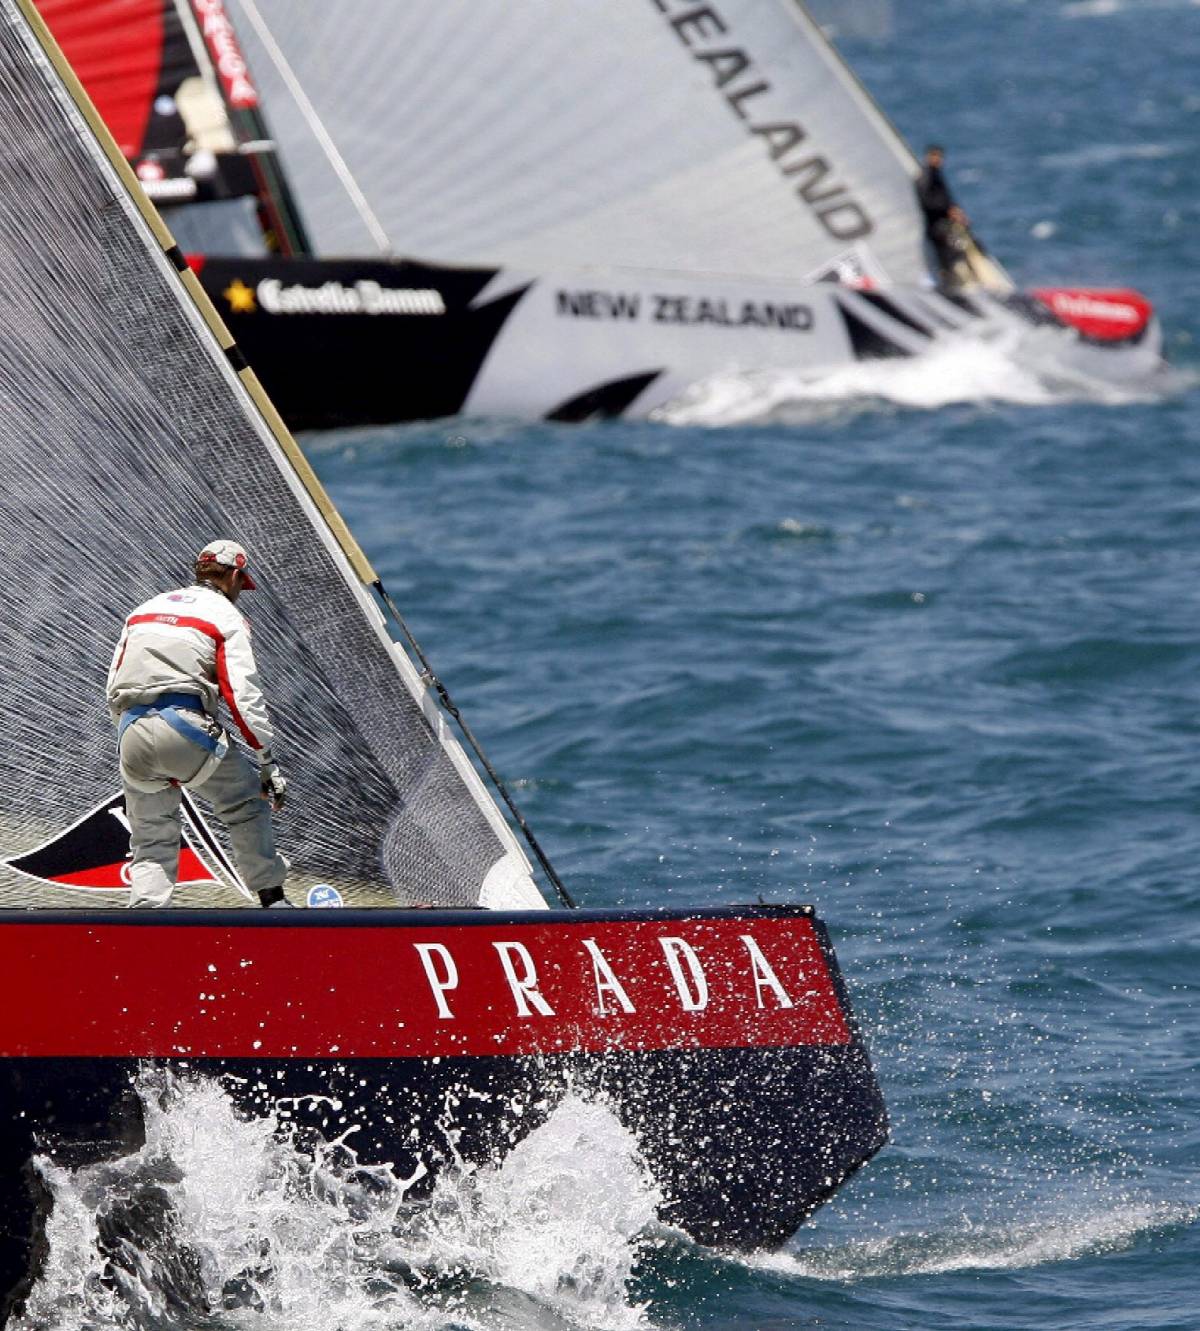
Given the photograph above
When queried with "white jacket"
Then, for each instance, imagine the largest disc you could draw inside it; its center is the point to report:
(192, 640)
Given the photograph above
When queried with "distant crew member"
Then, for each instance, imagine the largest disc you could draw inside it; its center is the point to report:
(178, 655)
(945, 222)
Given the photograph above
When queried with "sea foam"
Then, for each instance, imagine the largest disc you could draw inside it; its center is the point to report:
(961, 372)
(223, 1221)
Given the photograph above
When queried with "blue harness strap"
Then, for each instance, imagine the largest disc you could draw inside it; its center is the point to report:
(171, 707)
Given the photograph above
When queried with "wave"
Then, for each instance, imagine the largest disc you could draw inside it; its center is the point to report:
(961, 372)
(983, 1247)
(1105, 8)
(220, 1221)
(1104, 154)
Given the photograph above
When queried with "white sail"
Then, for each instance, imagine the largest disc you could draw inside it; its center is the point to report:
(721, 138)
(131, 433)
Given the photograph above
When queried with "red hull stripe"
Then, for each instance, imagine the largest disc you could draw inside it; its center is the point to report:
(213, 991)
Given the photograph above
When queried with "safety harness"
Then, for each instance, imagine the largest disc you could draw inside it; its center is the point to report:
(174, 709)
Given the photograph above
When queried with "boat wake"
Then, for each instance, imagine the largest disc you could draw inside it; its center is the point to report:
(221, 1222)
(961, 372)
(1065, 1236)
(1106, 8)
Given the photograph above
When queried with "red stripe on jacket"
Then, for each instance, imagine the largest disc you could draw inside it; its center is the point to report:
(227, 693)
(210, 630)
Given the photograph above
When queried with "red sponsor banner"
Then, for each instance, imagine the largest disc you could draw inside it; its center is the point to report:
(408, 990)
(116, 48)
(226, 53)
(1107, 316)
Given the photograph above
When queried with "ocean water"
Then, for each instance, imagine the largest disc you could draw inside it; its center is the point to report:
(921, 646)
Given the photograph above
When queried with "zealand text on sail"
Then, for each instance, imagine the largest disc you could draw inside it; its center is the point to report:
(703, 30)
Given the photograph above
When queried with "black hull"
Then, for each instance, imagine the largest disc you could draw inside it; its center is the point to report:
(340, 342)
(743, 1140)
(328, 369)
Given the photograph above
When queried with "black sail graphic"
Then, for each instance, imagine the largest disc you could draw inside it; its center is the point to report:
(93, 855)
(128, 441)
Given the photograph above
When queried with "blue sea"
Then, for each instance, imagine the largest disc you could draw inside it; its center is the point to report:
(921, 648)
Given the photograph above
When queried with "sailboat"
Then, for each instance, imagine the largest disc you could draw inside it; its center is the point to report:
(431, 1000)
(547, 211)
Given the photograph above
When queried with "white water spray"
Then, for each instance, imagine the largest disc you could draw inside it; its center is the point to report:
(963, 371)
(982, 1246)
(220, 1221)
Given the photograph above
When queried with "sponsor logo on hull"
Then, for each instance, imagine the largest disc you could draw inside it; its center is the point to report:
(688, 311)
(365, 296)
(162, 188)
(401, 987)
(1107, 316)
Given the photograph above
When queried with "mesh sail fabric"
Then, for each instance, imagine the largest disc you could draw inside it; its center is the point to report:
(720, 138)
(127, 443)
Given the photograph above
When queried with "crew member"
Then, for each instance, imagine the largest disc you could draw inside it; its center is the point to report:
(178, 655)
(945, 222)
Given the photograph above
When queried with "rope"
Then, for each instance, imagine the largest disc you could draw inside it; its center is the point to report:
(320, 133)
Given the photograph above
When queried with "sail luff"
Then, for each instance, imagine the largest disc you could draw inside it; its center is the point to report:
(854, 85)
(204, 307)
(300, 466)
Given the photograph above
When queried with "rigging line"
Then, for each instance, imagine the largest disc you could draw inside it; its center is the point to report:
(448, 703)
(320, 133)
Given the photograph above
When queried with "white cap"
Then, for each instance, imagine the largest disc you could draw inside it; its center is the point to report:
(230, 555)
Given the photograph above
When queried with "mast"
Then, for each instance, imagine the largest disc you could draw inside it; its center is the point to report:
(217, 51)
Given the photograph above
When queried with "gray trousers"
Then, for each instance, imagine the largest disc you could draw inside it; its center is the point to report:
(153, 755)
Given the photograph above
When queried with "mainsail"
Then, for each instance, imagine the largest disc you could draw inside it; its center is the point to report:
(130, 436)
(719, 138)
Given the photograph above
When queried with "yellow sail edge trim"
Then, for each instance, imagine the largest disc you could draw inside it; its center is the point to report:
(282, 435)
